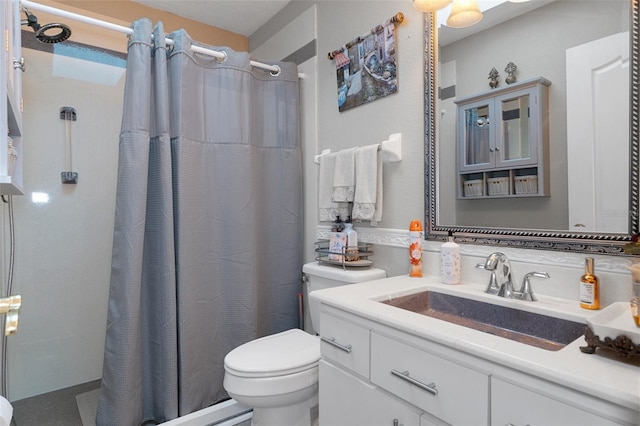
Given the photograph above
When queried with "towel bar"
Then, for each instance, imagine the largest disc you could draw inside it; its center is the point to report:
(392, 148)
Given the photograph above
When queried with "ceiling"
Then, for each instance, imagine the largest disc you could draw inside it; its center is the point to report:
(238, 16)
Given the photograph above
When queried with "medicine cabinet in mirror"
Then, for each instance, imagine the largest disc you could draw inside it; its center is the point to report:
(560, 177)
(502, 142)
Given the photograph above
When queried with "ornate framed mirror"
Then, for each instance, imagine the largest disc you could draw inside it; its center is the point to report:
(592, 204)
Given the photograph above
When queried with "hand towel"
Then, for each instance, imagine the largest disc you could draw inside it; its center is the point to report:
(344, 176)
(367, 202)
(327, 209)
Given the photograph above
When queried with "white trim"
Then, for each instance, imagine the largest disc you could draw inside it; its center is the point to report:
(400, 238)
(225, 413)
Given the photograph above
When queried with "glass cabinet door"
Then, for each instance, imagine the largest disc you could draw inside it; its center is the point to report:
(515, 144)
(476, 146)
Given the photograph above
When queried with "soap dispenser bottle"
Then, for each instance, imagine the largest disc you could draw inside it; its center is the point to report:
(352, 241)
(450, 261)
(589, 287)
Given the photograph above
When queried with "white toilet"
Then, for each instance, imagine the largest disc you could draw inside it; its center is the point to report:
(277, 375)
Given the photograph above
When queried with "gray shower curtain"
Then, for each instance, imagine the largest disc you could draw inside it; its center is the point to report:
(207, 248)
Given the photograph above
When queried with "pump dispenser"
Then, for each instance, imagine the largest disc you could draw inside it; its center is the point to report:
(352, 241)
(589, 287)
(450, 261)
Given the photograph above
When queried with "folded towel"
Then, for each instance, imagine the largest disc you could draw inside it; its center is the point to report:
(344, 176)
(367, 202)
(377, 216)
(327, 209)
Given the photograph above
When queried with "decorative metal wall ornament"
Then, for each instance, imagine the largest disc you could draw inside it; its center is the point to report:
(510, 69)
(493, 77)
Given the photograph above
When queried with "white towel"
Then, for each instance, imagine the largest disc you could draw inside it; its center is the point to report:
(344, 176)
(367, 202)
(327, 209)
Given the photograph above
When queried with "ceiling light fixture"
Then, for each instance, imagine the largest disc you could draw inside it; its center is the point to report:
(430, 5)
(464, 13)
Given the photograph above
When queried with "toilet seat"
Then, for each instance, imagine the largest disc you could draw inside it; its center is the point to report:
(280, 354)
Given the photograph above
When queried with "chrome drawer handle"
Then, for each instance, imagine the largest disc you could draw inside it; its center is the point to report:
(332, 342)
(431, 388)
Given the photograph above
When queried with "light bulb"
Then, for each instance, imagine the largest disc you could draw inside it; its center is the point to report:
(464, 13)
(430, 5)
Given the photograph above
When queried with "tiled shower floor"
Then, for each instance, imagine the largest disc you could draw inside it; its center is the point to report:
(57, 408)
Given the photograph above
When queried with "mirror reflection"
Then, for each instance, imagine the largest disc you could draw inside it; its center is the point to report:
(533, 118)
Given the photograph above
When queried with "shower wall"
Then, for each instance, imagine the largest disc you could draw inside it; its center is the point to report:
(64, 232)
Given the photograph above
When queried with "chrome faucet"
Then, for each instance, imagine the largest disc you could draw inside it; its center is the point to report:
(501, 281)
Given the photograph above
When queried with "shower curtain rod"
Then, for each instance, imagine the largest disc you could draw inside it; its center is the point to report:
(274, 69)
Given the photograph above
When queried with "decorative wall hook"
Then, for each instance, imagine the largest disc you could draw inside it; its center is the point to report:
(510, 69)
(493, 77)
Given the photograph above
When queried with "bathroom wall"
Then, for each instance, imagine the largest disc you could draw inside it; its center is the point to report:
(64, 232)
(338, 22)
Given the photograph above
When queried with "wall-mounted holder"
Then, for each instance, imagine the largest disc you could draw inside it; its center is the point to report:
(11, 306)
(68, 114)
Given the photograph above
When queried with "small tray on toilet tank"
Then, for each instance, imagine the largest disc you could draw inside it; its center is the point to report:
(347, 257)
(346, 263)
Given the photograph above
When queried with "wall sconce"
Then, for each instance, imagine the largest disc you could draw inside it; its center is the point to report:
(464, 13)
(430, 5)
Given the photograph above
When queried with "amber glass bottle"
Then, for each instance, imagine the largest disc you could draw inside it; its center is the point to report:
(589, 287)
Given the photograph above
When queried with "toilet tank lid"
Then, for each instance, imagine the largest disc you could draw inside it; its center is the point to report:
(349, 275)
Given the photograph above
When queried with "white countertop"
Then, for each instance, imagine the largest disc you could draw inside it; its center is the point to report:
(601, 375)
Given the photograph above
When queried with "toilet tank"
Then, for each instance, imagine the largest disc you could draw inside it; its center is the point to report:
(320, 276)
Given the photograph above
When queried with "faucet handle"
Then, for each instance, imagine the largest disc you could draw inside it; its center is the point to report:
(493, 287)
(526, 293)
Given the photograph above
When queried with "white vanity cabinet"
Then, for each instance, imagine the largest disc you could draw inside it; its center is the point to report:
(374, 374)
(349, 400)
(502, 146)
(514, 405)
(11, 109)
(346, 343)
(346, 395)
(434, 384)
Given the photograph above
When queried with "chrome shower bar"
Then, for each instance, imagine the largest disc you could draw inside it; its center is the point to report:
(274, 69)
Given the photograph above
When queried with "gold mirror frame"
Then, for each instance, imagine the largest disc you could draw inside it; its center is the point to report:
(522, 238)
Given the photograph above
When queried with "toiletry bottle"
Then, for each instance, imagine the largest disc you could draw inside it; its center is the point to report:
(589, 287)
(415, 248)
(450, 261)
(352, 241)
(337, 241)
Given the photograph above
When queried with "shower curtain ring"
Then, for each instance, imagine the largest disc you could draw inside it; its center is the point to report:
(275, 73)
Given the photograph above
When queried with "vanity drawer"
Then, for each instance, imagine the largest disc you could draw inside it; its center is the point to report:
(448, 391)
(345, 343)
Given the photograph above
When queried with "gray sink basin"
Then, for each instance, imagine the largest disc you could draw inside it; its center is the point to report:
(533, 329)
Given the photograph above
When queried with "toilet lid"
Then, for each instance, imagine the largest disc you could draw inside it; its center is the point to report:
(279, 354)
